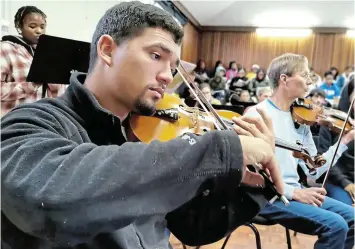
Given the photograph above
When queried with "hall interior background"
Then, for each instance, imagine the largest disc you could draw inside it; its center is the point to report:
(323, 50)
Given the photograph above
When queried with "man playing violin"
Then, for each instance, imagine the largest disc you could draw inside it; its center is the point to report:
(310, 211)
(70, 178)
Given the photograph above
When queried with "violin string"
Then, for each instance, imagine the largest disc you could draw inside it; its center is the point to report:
(196, 92)
(338, 142)
(198, 99)
(210, 107)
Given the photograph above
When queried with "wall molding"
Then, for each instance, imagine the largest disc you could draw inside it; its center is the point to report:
(188, 15)
(325, 30)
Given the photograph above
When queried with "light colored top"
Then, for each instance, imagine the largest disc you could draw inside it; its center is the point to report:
(284, 128)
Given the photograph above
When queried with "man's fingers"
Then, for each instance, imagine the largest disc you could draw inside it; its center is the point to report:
(321, 191)
(266, 118)
(258, 122)
(267, 172)
(317, 202)
(241, 131)
(320, 197)
(275, 173)
(253, 179)
(248, 126)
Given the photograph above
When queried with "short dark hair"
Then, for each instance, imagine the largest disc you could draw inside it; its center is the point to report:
(23, 12)
(128, 19)
(328, 73)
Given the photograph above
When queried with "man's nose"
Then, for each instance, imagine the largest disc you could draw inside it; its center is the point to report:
(165, 76)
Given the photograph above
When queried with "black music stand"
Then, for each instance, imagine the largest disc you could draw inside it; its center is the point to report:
(56, 58)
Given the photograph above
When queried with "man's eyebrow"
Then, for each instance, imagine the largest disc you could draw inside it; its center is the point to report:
(166, 50)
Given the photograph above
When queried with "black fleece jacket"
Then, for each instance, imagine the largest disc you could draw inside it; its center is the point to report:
(70, 180)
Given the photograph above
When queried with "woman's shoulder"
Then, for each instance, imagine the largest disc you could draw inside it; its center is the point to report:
(11, 42)
(10, 46)
(7, 45)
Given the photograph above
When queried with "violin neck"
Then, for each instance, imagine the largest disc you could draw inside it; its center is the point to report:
(278, 142)
(286, 145)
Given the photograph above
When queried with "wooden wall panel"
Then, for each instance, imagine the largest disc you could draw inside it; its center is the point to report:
(322, 50)
(190, 44)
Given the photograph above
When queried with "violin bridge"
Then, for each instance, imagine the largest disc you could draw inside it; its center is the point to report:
(171, 114)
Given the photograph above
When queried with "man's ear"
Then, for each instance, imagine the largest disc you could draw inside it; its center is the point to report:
(283, 78)
(105, 48)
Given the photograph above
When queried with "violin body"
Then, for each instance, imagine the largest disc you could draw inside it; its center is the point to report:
(172, 119)
(305, 112)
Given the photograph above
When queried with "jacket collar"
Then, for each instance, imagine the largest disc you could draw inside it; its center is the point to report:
(20, 41)
(84, 103)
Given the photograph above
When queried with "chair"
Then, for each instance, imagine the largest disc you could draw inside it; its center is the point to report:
(260, 221)
(265, 222)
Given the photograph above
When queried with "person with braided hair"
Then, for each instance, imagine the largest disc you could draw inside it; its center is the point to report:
(16, 57)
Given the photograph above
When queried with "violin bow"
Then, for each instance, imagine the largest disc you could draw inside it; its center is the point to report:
(338, 142)
(257, 166)
(199, 95)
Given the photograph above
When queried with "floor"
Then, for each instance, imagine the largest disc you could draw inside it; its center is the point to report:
(272, 237)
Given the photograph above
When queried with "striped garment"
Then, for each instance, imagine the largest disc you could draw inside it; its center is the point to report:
(16, 59)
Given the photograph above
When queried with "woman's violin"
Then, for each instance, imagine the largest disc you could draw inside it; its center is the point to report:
(305, 112)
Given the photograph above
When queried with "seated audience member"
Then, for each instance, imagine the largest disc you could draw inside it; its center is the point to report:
(239, 83)
(244, 96)
(330, 88)
(259, 81)
(310, 211)
(221, 71)
(263, 93)
(253, 72)
(218, 82)
(212, 72)
(345, 77)
(16, 58)
(335, 73)
(316, 79)
(317, 95)
(232, 70)
(207, 91)
(201, 72)
(340, 183)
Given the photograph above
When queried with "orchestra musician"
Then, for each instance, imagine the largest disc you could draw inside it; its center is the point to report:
(310, 211)
(16, 58)
(70, 178)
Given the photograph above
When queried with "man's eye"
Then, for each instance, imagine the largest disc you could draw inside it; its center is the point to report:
(155, 56)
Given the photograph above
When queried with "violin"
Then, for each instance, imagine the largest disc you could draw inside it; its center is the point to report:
(173, 118)
(305, 112)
